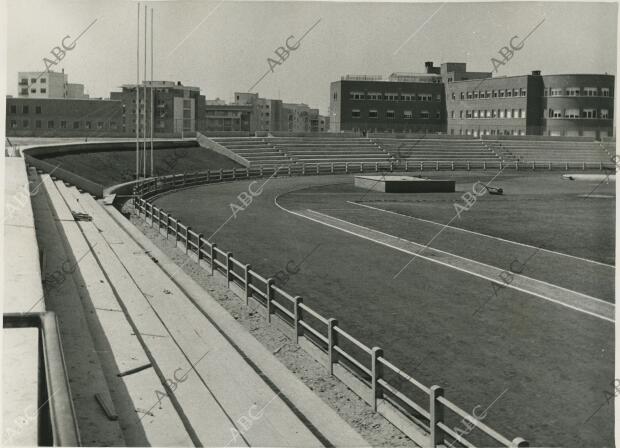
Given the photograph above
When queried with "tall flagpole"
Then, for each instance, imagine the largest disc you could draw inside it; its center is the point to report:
(138, 98)
(145, 55)
(152, 106)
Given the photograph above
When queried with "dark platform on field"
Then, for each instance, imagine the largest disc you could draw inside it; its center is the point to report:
(404, 184)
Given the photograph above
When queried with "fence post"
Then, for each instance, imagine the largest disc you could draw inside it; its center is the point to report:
(261, 170)
(176, 232)
(200, 241)
(406, 165)
(519, 442)
(297, 312)
(246, 279)
(468, 166)
(234, 174)
(346, 167)
(247, 172)
(269, 294)
(583, 166)
(208, 176)
(228, 263)
(151, 204)
(159, 221)
(500, 165)
(421, 166)
(213, 246)
(303, 169)
(221, 174)
(332, 341)
(289, 171)
(167, 224)
(600, 166)
(566, 166)
(517, 165)
(376, 167)
(332, 167)
(377, 373)
(187, 239)
(184, 181)
(436, 415)
(484, 165)
(452, 166)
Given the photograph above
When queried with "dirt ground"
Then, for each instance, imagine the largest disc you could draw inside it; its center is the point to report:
(372, 426)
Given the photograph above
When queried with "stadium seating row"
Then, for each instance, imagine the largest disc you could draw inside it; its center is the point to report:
(291, 150)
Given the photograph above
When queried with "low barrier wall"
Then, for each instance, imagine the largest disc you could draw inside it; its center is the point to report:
(206, 142)
(420, 411)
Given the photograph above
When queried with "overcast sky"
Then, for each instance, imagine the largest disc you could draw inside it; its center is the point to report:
(223, 47)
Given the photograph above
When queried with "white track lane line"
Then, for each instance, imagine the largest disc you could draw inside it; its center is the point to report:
(485, 235)
(598, 305)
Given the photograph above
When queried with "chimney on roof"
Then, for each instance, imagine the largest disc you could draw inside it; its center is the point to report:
(535, 72)
(429, 66)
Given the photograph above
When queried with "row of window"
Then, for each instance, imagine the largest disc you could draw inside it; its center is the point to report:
(377, 96)
(493, 113)
(577, 91)
(486, 94)
(476, 132)
(63, 124)
(25, 109)
(24, 81)
(576, 113)
(391, 115)
(24, 90)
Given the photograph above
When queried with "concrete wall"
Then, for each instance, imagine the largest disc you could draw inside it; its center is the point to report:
(206, 142)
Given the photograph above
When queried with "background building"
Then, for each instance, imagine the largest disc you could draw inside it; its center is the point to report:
(553, 105)
(48, 85)
(227, 117)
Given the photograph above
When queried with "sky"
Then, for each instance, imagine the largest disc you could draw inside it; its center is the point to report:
(224, 47)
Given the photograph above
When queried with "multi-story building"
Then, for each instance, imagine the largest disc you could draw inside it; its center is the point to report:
(56, 117)
(178, 109)
(227, 117)
(48, 84)
(371, 104)
(555, 105)
(266, 113)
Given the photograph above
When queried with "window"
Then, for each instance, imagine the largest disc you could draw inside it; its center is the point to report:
(100, 125)
(453, 96)
(24, 123)
(468, 114)
(522, 92)
(25, 109)
(556, 92)
(493, 113)
(424, 114)
(43, 90)
(509, 93)
(390, 115)
(573, 91)
(502, 93)
(357, 95)
(460, 114)
(509, 113)
(408, 97)
(501, 113)
(87, 125)
(76, 125)
(391, 96)
(33, 90)
(605, 114)
(373, 113)
(451, 114)
(545, 92)
(438, 114)
(462, 95)
(374, 96)
(555, 113)
(24, 91)
(604, 92)
(572, 113)
(590, 91)
(522, 113)
(589, 113)
(63, 124)
(437, 97)
(355, 113)
(37, 109)
(50, 124)
(425, 97)
(488, 94)
(476, 95)
(494, 94)
(470, 95)
(42, 81)
(475, 114)
(13, 109)
(407, 115)
(37, 124)
(13, 124)
(33, 80)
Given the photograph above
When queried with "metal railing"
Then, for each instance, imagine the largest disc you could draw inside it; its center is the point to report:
(363, 369)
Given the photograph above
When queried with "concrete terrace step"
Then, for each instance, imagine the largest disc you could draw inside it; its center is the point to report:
(119, 349)
(278, 425)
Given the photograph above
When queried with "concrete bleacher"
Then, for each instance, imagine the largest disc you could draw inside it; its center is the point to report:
(255, 150)
(552, 150)
(147, 332)
(432, 150)
(329, 149)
